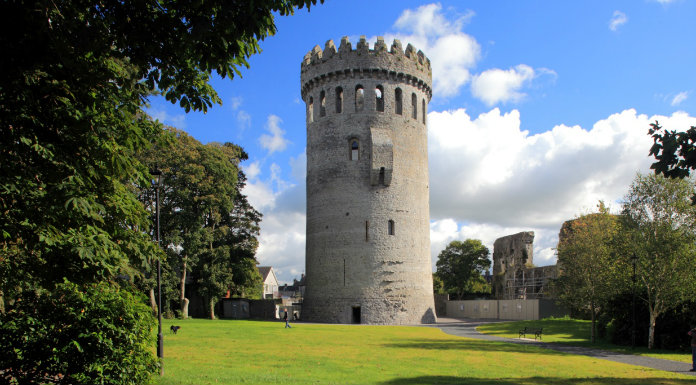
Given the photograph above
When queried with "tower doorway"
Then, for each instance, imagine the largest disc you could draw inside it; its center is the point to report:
(356, 315)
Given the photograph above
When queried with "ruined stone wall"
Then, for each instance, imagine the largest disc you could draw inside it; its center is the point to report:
(368, 233)
(511, 254)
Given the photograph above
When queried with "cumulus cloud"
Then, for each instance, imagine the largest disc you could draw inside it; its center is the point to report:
(680, 97)
(276, 140)
(282, 202)
(617, 19)
(496, 179)
(452, 52)
(495, 85)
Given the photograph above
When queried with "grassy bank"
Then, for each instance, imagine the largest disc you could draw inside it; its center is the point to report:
(250, 352)
(576, 333)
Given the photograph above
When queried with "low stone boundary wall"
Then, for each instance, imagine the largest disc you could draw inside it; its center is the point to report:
(518, 309)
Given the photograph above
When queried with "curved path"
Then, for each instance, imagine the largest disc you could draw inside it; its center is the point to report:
(467, 328)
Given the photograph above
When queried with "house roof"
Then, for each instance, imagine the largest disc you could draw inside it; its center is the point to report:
(264, 271)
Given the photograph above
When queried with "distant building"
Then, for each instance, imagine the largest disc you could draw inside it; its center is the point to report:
(293, 293)
(269, 282)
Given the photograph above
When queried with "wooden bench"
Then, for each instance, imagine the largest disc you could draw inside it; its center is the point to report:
(526, 330)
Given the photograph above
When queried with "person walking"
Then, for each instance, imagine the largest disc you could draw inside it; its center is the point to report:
(285, 317)
(692, 333)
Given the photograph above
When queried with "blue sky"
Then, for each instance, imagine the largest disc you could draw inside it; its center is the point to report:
(539, 109)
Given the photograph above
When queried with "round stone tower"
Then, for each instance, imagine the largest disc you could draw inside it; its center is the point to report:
(368, 220)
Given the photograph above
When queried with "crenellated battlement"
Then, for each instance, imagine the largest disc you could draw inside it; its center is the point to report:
(408, 66)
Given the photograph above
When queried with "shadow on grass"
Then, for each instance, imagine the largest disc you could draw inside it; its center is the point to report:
(471, 345)
(449, 380)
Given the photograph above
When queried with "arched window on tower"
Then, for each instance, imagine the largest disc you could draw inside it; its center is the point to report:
(398, 107)
(359, 98)
(310, 110)
(339, 100)
(322, 103)
(423, 110)
(414, 106)
(390, 227)
(379, 99)
(354, 149)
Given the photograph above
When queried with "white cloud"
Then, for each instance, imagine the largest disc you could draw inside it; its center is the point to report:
(618, 19)
(452, 52)
(177, 121)
(275, 141)
(235, 102)
(243, 120)
(496, 85)
(680, 97)
(252, 170)
(282, 237)
(497, 179)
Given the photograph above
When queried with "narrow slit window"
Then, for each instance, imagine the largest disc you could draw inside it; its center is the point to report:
(322, 103)
(381, 176)
(310, 110)
(398, 107)
(391, 229)
(423, 110)
(339, 100)
(367, 231)
(379, 99)
(354, 149)
(359, 98)
(414, 106)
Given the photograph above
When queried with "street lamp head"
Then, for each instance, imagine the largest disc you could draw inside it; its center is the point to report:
(156, 174)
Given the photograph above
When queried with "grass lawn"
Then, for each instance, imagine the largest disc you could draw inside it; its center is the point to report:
(255, 352)
(576, 333)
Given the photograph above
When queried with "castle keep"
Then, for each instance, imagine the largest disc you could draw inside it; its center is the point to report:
(368, 234)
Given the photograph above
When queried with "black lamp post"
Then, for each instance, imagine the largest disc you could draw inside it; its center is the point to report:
(157, 174)
(634, 259)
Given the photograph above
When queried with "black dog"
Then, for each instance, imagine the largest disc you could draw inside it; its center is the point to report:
(175, 328)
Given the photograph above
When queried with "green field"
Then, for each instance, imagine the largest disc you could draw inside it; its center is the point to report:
(576, 333)
(253, 352)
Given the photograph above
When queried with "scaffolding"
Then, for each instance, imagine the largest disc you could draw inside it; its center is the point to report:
(529, 283)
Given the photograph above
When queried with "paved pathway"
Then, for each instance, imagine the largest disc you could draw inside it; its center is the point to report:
(467, 328)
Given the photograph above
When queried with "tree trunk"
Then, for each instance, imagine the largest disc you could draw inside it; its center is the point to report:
(212, 308)
(651, 330)
(2, 303)
(183, 300)
(594, 327)
(153, 302)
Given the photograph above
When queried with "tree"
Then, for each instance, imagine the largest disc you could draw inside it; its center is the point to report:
(91, 334)
(661, 221)
(591, 273)
(74, 82)
(674, 152)
(438, 286)
(461, 264)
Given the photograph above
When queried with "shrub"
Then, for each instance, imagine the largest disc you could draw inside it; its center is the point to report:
(95, 334)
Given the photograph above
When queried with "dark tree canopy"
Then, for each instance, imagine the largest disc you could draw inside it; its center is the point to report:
(75, 76)
(674, 152)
